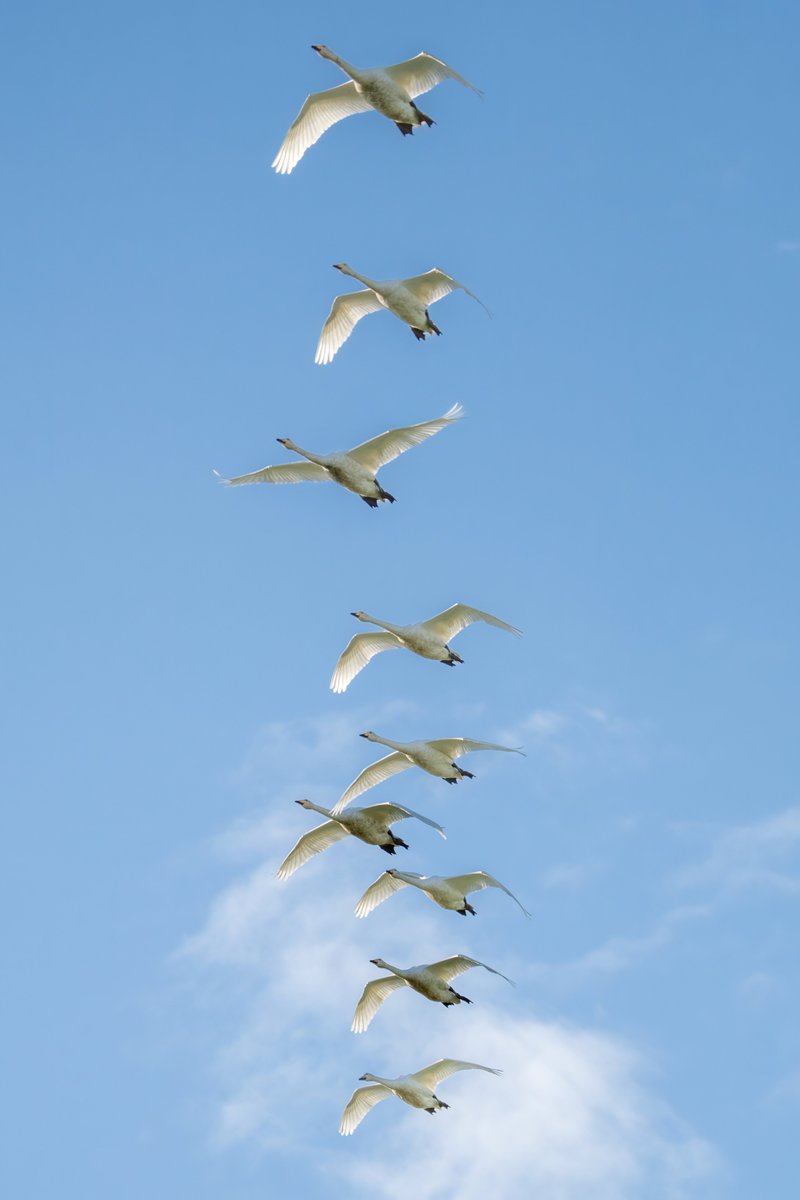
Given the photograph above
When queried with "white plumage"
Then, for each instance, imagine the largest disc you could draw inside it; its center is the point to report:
(448, 891)
(428, 638)
(389, 90)
(415, 1089)
(431, 980)
(354, 469)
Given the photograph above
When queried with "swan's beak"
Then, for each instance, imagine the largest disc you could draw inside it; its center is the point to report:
(362, 735)
(362, 1077)
(298, 801)
(353, 614)
(315, 48)
(374, 962)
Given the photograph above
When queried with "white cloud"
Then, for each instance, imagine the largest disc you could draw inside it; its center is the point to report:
(788, 247)
(582, 734)
(763, 854)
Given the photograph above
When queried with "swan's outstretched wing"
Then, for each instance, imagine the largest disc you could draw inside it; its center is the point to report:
(372, 998)
(383, 887)
(450, 968)
(359, 1104)
(435, 284)
(361, 648)
(320, 111)
(436, 1072)
(384, 768)
(311, 843)
(450, 622)
(398, 812)
(455, 747)
(387, 446)
(476, 881)
(418, 75)
(346, 311)
(293, 472)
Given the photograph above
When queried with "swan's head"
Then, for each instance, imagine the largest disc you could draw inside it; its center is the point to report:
(378, 962)
(367, 1076)
(360, 616)
(303, 803)
(369, 735)
(323, 51)
(287, 442)
(343, 267)
(391, 872)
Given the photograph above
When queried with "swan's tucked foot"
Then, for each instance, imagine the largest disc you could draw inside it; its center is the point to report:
(441, 1103)
(466, 774)
(386, 495)
(389, 847)
(434, 328)
(454, 778)
(399, 842)
(468, 909)
(404, 128)
(448, 662)
(424, 119)
(463, 999)
(418, 334)
(430, 1110)
(370, 500)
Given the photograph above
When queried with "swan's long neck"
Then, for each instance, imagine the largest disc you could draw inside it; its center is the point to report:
(395, 970)
(347, 67)
(386, 742)
(410, 879)
(382, 625)
(325, 812)
(315, 458)
(378, 1079)
(370, 283)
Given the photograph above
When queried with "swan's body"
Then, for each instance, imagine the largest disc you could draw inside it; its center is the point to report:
(436, 757)
(409, 300)
(431, 980)
(370, 825)
(354, 469)
(389, 90)
(448, 891)
(415, 1089)
(428, 639)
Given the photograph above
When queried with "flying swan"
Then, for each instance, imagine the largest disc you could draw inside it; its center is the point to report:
(370, 825)
(448, 891)
(431, 980)
(389, 90)
(415, 1089)
(354, 469)
(428, 638)
(408, 299)
(436, 757)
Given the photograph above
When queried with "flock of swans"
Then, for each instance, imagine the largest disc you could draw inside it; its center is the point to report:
(390, 91)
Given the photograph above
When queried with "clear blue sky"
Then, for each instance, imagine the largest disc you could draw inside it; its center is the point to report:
(626, 200)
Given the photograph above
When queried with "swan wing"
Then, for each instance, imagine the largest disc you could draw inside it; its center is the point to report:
(398, 812)
(383, 887)
(450, 622)
(320, 111)
(387, 446)
(455, 747)
(373, 996)
(450, 968)
(361, 648)
(384, 768)
(311, 843)
(434, 285)
(346, 311)
(436, 1072)
(422, 73)
(359, 1104)
(476, 881)
(293, 472)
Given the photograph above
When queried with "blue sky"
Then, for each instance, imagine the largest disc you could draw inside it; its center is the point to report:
(623, 487)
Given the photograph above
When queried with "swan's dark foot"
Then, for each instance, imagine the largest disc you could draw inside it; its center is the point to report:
(424, 119)
(455, 778)
(441, 1103)
(370, 500)
(467, 909)
(463, 999)
(418, 334)
(430, 1110)
(399, 841)
(465, 774)
(388, 847)
(448, 662)
(404, 128)
(385, 495)
(434, 328)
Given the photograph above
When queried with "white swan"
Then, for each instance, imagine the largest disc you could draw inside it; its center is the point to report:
(448, 891)
(431, 980)
(408, 299)
(390, 90)
(436, 757)
(354, 469)
(428, 638)
(370, 825)
(415, 1089)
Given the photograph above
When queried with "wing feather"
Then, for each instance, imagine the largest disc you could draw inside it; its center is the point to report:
(375, 773)
(319, 112)
(383, 887)
(433, 285)
(450, 622)
(436, 1072)
(359, 1104)
(387, 446)
(476, 881)
(373, 996)
(450, 968)
(422, 73)
(398, 812)
(456, 747)
(293, 472)
(360, 650)
(346, 311)
(311, 843)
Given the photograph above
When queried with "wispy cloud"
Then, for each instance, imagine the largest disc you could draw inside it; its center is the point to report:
(763, 854)
(581, 734)
(788, 246)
